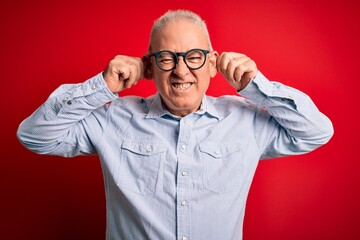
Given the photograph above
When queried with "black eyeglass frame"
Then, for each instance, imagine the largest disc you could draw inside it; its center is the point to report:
(180, 54)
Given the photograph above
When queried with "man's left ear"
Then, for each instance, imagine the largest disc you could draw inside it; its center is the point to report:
(212, 59)
(147, 67)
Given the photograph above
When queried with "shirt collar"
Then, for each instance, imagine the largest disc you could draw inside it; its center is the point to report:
(157, 109)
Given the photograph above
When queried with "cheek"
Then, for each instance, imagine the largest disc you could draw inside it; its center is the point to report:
(203, 80)
(160, 81)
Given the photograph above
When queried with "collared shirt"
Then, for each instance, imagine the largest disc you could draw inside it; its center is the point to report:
(168, 177)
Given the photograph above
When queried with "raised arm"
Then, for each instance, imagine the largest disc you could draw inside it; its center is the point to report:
(60, 125)
(296, 125)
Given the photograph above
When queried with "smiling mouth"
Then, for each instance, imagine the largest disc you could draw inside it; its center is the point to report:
(182, 86)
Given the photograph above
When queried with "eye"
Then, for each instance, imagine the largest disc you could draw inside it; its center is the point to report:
(166, 58)
(195, 56)
(193, 59)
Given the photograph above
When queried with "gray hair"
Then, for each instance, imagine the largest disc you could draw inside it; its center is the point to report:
(172, 15)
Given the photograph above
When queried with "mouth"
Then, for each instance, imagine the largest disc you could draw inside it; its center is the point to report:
(182, 86)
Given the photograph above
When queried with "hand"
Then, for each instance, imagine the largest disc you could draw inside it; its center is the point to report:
(237, 68)
(123, 72)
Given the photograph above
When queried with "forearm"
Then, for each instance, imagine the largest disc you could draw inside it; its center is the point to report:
(44, 130)
(306, 128)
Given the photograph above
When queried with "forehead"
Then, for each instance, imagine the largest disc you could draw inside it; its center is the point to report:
(179, 35)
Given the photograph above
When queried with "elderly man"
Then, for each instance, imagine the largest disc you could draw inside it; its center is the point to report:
(179, 164)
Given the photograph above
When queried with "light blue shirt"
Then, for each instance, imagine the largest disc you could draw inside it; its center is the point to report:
(168, 177)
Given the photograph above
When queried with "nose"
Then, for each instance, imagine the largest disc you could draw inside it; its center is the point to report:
(181, 70)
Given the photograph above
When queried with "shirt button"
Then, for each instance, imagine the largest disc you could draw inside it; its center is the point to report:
(183, 203)
(93, 87)
(184, 238)
(184, 173)
(216, 152)
(69, 102)
(183, 147)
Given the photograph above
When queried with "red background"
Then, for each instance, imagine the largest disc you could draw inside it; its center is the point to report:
(310, 45)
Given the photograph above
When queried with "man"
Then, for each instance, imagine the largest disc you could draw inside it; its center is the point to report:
(179, 164)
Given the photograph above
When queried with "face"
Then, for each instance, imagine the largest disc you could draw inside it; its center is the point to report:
(182, 89)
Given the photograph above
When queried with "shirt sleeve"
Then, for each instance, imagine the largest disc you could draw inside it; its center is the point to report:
(57, 126)
(295, 125)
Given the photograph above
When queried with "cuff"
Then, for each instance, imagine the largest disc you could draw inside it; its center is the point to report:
(258, 89)
(96, 91)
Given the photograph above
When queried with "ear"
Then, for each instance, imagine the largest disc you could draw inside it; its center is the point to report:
(212, 60)
(148, 70)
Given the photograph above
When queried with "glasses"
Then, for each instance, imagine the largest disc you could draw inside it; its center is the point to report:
(194, 59)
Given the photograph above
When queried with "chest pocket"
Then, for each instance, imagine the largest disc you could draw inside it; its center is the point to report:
(222, 166)
(139, 166)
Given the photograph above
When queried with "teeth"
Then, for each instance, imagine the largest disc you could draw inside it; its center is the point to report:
(182, 86)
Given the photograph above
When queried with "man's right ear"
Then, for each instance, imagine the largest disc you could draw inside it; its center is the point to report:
(148, 71)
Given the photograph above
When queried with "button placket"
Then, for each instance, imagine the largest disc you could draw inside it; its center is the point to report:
(183, 194)
(184, 178)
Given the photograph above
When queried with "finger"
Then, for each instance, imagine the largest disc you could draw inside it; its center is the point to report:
(249, 70)
(218, 62)
(123, 73)
(231, 68)
(241, 68)
(111, 72)
(224, 61)
(130, 81)
(136, 73)
(239, 72)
